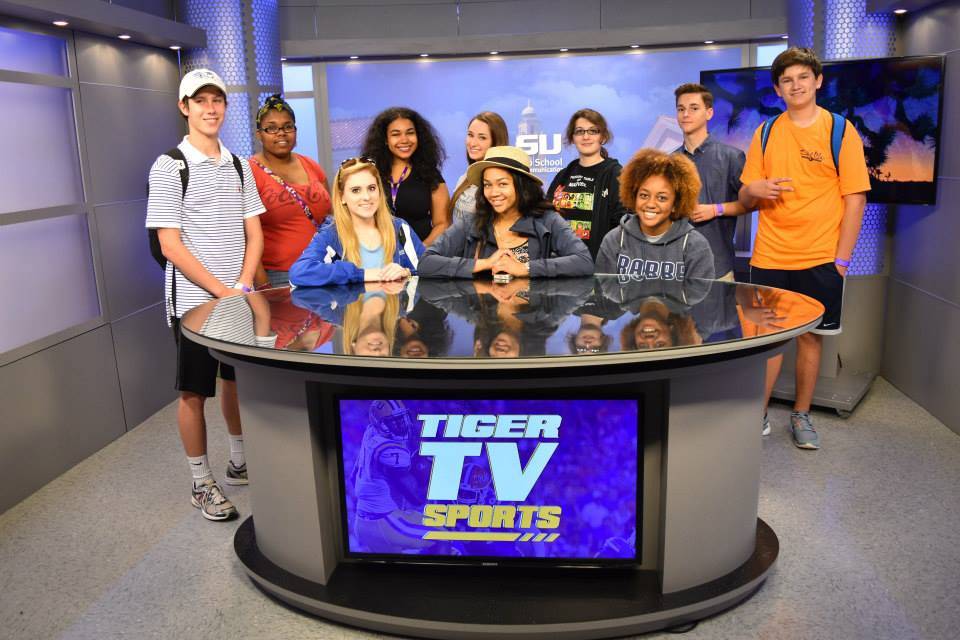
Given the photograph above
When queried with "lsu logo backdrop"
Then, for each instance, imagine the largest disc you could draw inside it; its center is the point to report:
(491, 478)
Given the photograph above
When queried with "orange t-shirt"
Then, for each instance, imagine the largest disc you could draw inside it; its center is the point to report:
(286, 229)
(801, 229)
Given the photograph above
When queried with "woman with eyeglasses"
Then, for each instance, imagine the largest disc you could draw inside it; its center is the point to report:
(409, 154)
(586, 192)
(365, 243)
(292, 187)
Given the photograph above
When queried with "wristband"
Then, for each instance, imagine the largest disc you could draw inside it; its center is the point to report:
(843, 263)
(719, 209)
(242, 287)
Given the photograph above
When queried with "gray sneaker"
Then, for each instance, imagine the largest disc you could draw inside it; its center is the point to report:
(213, 505)
(236, 475)
(765, 430)
(804, 435)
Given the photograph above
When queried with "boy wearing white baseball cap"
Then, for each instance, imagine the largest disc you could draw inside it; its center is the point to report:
(204, 205)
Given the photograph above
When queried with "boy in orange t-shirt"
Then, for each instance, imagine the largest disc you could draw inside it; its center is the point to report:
(810, 215)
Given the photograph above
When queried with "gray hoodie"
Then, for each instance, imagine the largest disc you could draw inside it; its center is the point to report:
(681, 253)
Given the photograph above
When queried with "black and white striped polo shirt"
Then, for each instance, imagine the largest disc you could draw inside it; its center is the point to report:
(210, 217)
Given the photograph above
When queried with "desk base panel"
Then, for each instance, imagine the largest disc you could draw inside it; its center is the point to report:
(445, 601)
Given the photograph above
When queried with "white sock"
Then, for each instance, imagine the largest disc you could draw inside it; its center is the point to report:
(236, 450)
(200, 469)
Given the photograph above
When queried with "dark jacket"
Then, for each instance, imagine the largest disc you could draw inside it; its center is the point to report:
(554, 249)
(681, 253)
(322, 263)
(607, 208)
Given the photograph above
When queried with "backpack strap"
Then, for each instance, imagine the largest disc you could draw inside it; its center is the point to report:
(182, 166)
(184, 171)
(765, 132)
(838, 126)
(237, 166)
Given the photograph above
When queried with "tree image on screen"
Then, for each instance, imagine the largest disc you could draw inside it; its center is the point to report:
(893, 103)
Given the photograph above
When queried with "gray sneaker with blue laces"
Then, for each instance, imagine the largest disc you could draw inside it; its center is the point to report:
(801, 428)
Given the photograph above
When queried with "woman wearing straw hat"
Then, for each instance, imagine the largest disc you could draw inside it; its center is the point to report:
(514, 231)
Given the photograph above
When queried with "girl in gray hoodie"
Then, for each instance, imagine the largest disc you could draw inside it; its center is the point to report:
(657, 242)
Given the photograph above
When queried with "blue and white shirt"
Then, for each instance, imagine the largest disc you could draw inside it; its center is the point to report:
(210, 216)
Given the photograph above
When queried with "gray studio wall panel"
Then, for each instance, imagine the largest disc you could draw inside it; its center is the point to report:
(146, 362)
(298, 23)
(302, 20)
(59, 406)
(125, 64)
(159, 8)
(528, 16)
(768, 8)
(126, 129)
(926, 372)
(925, 240)
(66, 401)
(921, 350)
(389, 21)
(132, 280)
(629, 13)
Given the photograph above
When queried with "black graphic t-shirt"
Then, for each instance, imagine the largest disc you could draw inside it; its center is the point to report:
(574, 199)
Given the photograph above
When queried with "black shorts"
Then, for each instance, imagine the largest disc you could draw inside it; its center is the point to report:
(823, 283)
(196, 368)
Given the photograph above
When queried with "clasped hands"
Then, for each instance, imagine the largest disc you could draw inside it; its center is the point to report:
(503, 261)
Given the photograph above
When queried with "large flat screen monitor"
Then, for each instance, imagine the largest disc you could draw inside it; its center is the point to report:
(475, 479)
(895, 104)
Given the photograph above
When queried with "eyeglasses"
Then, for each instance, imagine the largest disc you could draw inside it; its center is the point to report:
(579, 133)
(349, 162)
(274, 130)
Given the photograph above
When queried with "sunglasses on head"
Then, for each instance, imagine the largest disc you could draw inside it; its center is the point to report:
(349, 162)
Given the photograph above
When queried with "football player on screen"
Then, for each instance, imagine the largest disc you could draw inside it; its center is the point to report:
(381, 484)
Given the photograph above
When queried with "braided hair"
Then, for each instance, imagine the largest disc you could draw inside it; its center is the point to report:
(276, 102)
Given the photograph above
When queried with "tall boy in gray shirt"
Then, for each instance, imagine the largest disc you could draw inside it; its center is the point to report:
(719, 166)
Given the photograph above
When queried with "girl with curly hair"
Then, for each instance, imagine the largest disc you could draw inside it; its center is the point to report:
(658, 242)
(408, 154)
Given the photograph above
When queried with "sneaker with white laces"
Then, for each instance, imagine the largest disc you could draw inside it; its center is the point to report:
(765, 429)
(236, 475)
(213, 505)
(804, 435)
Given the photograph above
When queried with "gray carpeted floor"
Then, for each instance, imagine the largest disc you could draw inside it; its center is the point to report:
(869, 531)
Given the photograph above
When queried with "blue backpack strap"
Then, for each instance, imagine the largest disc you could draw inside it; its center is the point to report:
(838, 126)
(765, 132)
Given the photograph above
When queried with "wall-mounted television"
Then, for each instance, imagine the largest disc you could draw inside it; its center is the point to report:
(502, 480)
(895, 104)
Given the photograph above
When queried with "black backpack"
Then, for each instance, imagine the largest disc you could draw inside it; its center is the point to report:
(154, 239)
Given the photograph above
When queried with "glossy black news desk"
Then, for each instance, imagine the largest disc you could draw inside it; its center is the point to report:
(690, 355)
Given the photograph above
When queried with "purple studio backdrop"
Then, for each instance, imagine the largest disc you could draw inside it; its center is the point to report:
(491, 478)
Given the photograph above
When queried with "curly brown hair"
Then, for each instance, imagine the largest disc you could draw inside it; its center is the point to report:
(680, 172)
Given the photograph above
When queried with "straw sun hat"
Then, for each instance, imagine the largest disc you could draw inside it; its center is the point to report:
(509, 158)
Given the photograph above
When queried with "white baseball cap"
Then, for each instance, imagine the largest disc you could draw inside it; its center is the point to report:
(198, 79)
